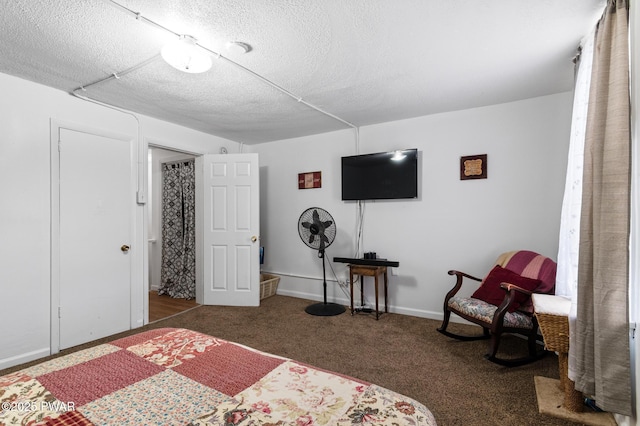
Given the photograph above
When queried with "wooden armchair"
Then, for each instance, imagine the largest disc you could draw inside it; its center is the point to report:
(502, 303)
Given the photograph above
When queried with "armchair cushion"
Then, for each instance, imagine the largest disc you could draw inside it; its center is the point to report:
(491, 292)
(484, 312)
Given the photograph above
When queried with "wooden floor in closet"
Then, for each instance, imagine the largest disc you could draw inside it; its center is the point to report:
(166, 306)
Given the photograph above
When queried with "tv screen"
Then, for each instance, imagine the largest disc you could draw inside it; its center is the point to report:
(380, 176)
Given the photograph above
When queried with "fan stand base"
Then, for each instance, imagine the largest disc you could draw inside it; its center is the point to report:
(325, 309)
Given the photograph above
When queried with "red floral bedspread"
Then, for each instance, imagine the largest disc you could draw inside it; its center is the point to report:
(177, 377)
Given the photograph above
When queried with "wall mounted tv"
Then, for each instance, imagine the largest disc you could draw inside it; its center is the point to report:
(380, 176)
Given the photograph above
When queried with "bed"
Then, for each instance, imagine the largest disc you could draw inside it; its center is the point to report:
(174, 376)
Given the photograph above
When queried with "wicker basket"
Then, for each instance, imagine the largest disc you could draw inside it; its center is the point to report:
(555, 331)
(268, 285)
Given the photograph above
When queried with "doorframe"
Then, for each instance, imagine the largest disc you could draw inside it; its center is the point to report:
(150, 143)
(136, 278)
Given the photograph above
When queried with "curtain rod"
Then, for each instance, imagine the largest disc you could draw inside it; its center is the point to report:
(170, 163)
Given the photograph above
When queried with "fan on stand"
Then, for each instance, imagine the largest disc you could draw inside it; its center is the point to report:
(318, 230)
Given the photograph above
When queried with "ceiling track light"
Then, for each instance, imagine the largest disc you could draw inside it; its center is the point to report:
(138, 16)
(186, 55)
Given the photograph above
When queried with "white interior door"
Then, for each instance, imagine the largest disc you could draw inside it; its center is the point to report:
(95, 235)
(228, 230)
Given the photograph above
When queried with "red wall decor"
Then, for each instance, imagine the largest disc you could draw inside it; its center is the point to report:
(309, 180)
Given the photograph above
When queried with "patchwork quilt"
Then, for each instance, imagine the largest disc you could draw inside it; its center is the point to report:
(175, 376)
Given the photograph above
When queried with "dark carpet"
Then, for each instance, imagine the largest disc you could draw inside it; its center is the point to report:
(399, 352)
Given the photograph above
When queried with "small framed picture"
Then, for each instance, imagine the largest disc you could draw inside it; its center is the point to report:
(473, 167)
(309, 180)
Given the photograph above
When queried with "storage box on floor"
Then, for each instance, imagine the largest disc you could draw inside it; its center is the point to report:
(268, 285)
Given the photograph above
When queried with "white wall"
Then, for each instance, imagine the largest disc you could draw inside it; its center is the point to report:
(26, 109)
(281, 203)
(454, 224)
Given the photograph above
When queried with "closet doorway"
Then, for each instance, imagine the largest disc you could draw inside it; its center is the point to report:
(171, 219)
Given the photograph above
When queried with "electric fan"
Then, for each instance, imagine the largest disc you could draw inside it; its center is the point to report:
(318, 230)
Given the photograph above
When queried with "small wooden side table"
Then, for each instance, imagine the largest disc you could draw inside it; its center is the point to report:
(369, 271)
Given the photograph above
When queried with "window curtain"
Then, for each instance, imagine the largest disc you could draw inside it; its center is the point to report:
(178, 270)
(599, 361)
(568, 249)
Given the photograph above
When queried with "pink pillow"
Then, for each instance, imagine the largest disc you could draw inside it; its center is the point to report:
(491, 292)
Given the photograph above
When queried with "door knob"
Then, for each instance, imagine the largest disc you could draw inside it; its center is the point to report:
(125, 248)
(254, 239)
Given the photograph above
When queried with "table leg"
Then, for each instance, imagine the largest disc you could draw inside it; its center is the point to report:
(386, 283)
(377, 311)
(351, 287)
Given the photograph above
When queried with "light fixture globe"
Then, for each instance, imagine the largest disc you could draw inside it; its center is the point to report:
(185, 55)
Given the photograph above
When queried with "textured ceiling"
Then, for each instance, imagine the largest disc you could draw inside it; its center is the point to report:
(364, 61)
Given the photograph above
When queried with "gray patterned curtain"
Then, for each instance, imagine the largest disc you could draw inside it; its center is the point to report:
(178, 272)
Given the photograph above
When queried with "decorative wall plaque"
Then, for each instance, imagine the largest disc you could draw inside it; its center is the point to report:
(473, 167)
(309, 180)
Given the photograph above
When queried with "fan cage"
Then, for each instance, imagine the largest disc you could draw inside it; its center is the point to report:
(307, 236)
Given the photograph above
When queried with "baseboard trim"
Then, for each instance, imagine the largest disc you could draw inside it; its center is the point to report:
(24, 358)
(438, 316)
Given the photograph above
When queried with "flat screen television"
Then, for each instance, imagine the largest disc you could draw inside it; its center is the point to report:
(380, 176)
